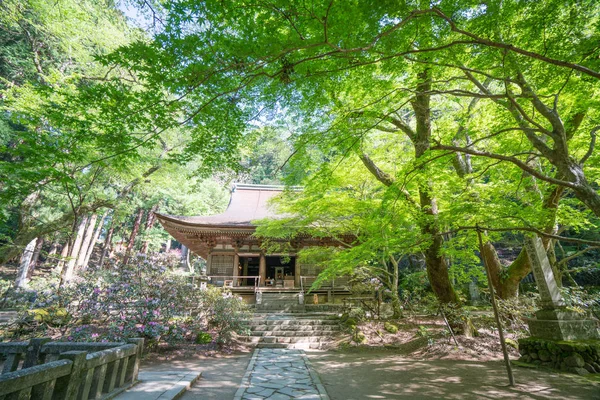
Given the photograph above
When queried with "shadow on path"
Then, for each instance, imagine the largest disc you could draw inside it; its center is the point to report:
(221, 377)
(383, 375)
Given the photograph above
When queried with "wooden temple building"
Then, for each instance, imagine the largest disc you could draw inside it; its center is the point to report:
(233, 255)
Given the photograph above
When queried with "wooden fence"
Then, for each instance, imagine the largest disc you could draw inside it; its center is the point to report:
(40, 369)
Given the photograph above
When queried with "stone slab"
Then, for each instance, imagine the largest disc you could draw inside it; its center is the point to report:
(280, 374)
(160, 385)
(550, 296)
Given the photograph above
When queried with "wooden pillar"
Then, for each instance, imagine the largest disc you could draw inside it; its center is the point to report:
(262, 269)
(245, 271)
(236, 264)
(297, 272)
(208, 262)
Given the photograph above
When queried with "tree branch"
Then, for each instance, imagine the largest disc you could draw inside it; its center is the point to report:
(511, 159)
(515, 49)
(592, 145)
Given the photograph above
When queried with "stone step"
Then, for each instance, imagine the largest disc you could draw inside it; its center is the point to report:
(298, 346)
(262, 307)
(292, 333)
(287, 339)
(278, 301)
(307, 315)
(291, 322)
(283, 311)
(296, 328)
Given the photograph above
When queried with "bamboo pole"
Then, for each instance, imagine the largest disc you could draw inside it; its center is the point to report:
(511, 378)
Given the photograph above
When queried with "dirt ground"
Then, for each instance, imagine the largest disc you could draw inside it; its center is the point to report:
(413, 370)
(428, 338)
(383, 374)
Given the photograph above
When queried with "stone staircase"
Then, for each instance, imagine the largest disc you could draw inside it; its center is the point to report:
(293, 331)
(280, 302)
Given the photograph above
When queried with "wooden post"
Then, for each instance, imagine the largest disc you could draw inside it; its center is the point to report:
(68, 386)
(209, 262)
(245, 271)
(236, 264)
(297, 272)
(111, 376)
(33, 356)
(262, 269)
(511, 378)
(133, 366)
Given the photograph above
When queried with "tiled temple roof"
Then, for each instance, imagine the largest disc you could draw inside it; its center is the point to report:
(248, 203)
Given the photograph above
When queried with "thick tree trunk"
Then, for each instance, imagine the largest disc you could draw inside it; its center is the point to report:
(107, 242)
(437, 270)
(149, 223)
(35, 257)
(74, 252)
(94, 239)
(506, 283)
(87, 240)
(574, 173)
(21, 279)
(134, 232)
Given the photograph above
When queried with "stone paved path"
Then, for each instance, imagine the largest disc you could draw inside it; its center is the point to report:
(280, 374)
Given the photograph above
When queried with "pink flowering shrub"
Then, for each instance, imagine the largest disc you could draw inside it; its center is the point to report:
(141, 299)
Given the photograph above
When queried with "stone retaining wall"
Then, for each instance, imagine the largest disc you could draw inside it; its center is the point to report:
(580, 357)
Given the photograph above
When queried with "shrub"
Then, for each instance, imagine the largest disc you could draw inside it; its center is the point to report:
(141, 299)
(357, 313)
(203, 338)
(359, 337)
(391, 328)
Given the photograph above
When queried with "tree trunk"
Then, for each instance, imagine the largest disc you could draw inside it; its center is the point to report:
(74, 252)
(94, 240)
(134, 232)
(53, 250)
(21, 279)
(437, 269)
(35, 257)
(107, 242)
(168, 245)
(64, 253)
(149, 223)
(396, 304)
(506, 283)
(87, 240)
(185, 259)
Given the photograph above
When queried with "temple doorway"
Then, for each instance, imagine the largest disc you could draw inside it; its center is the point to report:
(280, 271)
(250, 267)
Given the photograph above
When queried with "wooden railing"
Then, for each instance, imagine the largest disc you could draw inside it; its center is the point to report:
(234, 281)
(306, 282)
(77, 374)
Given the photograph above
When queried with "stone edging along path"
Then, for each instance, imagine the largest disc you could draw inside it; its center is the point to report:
(280, 374)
